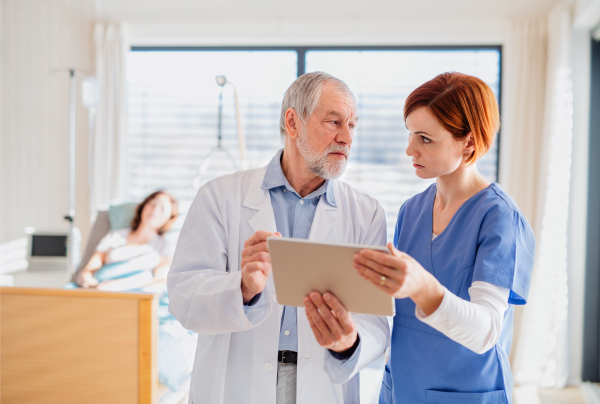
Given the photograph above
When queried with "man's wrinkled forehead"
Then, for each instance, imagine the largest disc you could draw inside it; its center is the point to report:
(336, 102)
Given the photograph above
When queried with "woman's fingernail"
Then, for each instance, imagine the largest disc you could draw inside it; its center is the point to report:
(327, 297)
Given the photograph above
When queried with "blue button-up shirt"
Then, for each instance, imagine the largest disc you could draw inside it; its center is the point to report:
(293, 216)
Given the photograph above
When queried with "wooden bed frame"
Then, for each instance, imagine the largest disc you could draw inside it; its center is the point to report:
(77, 346)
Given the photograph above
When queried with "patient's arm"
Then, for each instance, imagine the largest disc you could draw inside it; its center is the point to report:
(161, 270)
(135, 281)
(85, 278)
(141, 279)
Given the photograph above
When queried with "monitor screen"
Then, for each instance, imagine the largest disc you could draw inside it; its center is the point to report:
(48, 245)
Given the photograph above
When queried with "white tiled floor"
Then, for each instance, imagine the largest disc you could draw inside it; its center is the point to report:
(535, 395)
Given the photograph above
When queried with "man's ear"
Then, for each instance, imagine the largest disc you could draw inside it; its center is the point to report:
(292, 123)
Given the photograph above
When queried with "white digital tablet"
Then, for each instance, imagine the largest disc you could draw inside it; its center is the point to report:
(301, 266)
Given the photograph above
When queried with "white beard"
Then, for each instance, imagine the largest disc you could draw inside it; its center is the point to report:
(321, 164)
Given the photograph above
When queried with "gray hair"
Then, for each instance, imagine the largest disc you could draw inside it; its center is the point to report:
(304, 94)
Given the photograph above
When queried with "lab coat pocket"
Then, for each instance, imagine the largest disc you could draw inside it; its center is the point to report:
(445, 397)
(385, 395)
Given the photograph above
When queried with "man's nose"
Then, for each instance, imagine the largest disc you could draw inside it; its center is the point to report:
(344, 135)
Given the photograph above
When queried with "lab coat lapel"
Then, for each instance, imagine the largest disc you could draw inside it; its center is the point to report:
(260, 200)
(325, 217)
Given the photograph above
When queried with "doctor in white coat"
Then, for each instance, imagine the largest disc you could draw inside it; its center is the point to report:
(251, 349)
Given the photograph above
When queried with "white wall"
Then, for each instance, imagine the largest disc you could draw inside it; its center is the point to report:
(318, 22)
(37, 37)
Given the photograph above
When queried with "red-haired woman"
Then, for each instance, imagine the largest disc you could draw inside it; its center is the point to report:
(462, 257)
(142, 250)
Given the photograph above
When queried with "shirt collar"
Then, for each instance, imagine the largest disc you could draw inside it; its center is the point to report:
(274, 178)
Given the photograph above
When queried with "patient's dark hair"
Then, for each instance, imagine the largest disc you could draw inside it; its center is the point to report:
(137, 219)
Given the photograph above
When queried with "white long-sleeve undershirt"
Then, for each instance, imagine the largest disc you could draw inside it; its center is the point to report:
(476, 324)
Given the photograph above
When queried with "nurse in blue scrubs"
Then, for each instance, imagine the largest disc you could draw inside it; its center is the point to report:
(462, 256)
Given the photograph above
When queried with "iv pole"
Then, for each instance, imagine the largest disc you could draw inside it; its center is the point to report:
(74, 234)
(74, 238)
(221, 81)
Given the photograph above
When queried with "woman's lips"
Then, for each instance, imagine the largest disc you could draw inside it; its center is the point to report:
(418, 166)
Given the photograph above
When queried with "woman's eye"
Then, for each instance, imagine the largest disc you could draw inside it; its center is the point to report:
(425, 140)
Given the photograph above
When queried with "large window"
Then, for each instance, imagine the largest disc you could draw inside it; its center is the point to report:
(174, 105)
(174, 111)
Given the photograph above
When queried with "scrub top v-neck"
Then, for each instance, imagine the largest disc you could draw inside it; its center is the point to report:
(488, 239)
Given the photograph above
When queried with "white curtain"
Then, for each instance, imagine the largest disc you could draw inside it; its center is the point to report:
(107, 164)
(537, 174)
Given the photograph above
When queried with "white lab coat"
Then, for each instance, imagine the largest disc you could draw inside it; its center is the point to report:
(236, 356)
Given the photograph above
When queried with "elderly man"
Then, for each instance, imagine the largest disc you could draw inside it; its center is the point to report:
(251, 349)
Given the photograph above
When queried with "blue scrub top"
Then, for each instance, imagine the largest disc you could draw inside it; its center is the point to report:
(489, 240)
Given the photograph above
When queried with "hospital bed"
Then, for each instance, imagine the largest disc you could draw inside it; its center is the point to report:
(81, 346)
(77, 346)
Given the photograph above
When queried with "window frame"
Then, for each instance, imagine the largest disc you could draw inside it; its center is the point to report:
(301, 60)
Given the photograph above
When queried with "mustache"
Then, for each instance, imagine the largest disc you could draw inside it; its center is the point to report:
(338, 148)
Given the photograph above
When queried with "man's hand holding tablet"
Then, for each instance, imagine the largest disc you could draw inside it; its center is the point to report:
(331, 323)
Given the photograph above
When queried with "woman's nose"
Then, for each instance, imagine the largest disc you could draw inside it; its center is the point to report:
(410, 149)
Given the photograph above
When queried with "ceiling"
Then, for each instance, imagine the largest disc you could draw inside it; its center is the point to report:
(316, 10)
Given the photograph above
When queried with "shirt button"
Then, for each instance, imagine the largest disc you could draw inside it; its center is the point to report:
(274, 299)
(287, 332)
(284, 190)
(268, 366)
(301, 202)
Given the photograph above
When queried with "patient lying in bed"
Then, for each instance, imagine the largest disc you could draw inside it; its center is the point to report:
(138, 259)
(135, 257)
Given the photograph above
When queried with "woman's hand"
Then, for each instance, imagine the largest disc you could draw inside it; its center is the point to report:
(400, 276)
(85, 279)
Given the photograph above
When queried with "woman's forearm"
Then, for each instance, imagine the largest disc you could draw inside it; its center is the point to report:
(430, 295)
(475, 324)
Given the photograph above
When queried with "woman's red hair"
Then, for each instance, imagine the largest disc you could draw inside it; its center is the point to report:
(463, 104)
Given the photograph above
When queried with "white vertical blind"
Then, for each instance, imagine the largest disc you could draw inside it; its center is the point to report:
(173, 108)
